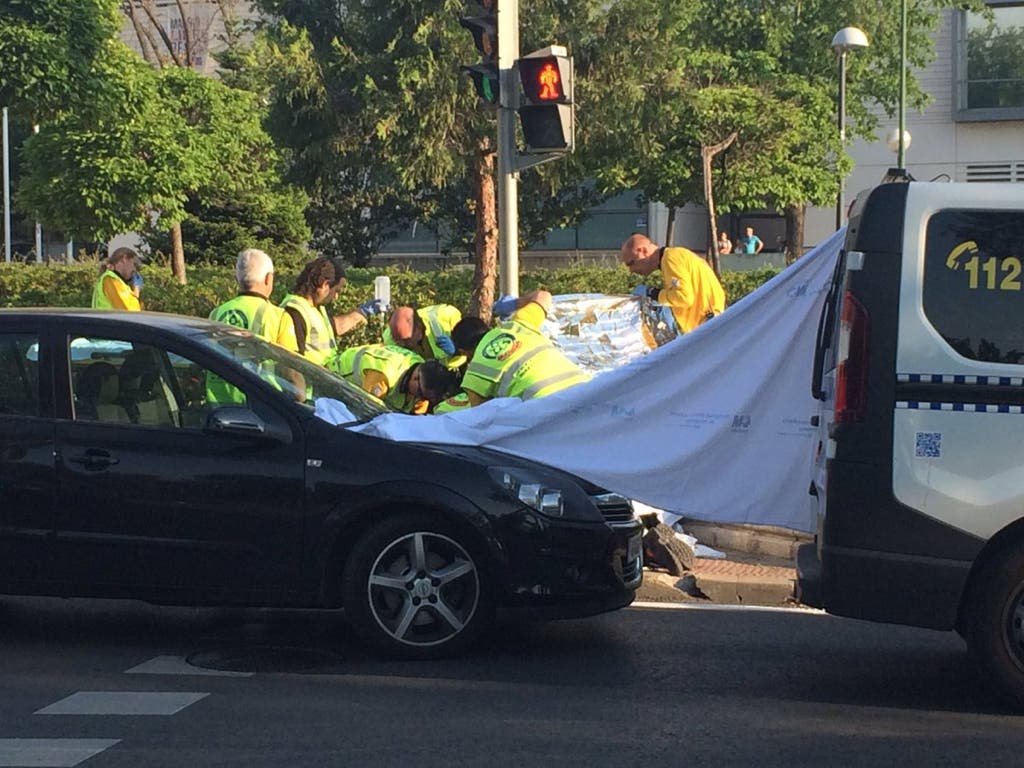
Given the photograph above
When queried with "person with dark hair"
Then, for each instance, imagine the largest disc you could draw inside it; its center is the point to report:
(316, 287)
(399, 377)
(467, 334)
(119, 284)
(514, 359)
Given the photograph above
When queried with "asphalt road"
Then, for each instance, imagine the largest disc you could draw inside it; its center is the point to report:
(648, 686)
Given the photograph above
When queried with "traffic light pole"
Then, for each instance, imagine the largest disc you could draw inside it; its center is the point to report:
(508, 179)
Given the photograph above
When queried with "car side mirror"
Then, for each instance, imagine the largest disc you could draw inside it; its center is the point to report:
(244, 422)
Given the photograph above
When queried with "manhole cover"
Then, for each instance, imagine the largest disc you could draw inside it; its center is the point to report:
(269, 658)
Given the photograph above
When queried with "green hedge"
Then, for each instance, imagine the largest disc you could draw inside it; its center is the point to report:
(26, 285)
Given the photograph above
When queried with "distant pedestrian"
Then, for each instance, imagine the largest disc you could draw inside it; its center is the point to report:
(691, 288)
(120, 283)
(750, 242)
(724, 243)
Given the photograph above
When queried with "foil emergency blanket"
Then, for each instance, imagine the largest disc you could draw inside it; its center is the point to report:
(600, 332)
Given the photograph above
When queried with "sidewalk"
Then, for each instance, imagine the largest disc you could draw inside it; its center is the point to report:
(758, 568)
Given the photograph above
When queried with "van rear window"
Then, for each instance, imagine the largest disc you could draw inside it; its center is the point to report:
(973, 282)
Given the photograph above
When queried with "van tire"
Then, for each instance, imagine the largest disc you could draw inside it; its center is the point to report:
(994, 625)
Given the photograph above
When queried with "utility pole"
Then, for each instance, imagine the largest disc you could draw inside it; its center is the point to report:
(7, 189)
(508, 174)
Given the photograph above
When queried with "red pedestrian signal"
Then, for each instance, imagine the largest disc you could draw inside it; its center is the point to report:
(546, 79)
(547, 112)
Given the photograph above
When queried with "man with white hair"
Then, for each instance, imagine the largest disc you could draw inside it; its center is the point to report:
(251, 308)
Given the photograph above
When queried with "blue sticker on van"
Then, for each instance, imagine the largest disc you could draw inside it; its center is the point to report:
(928, 445)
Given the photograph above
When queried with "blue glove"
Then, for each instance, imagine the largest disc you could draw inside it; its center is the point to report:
(136, 281)
(445, 343)
(650, 291)
(640, 290)
(370, 307)
(505, 306)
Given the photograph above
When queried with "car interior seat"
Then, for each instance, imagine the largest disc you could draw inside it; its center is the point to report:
(144, 393)
(97, 394)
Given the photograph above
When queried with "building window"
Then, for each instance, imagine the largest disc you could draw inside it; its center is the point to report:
(990, 68)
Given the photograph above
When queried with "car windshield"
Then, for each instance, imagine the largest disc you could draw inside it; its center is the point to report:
(289, 373)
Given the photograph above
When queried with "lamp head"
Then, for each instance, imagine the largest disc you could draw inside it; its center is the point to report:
(892, 140)
(849, 39)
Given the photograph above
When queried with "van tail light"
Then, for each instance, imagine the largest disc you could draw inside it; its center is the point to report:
(852, 362)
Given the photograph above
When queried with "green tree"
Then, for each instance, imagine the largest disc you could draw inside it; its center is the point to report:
(179, 145)
(49, 49)
(94, 174)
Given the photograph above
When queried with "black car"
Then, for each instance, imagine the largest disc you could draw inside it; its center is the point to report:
(179, 461)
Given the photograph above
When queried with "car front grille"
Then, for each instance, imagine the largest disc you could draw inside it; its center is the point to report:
(617, 510)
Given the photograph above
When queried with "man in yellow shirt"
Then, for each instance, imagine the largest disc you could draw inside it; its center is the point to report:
(691, 289)
(119, 283)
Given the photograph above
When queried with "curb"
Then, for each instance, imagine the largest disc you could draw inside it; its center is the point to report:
(765, 540)
(727, 581)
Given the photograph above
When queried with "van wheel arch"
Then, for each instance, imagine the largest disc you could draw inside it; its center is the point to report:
(991, 619)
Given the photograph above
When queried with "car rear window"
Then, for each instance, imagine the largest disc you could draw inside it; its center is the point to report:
(972, 293)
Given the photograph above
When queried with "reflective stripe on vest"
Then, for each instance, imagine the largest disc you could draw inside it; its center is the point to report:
(506, 377)
(393, 362)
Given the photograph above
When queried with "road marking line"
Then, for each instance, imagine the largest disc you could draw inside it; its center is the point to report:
(176, 665)
(50, 753)
(646, 604)
(122, 703)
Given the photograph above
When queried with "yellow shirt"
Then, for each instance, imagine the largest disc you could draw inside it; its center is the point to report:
(112, 292)
(692, 289)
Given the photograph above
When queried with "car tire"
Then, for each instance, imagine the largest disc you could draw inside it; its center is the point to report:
(994, 629)
(414, 586)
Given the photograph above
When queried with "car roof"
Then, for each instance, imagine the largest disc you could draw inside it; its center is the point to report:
(181, 324)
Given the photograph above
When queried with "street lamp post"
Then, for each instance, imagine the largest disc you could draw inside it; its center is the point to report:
(901, 152)
(846, 39)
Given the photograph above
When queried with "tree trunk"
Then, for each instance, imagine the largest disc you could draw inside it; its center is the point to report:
(486, 237)
(707, 154)
(794, 232)
(177, 254)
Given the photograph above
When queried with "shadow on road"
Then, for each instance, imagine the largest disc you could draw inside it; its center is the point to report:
(659, 657)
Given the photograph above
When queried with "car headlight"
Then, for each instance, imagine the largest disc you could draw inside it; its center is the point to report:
(547, 494)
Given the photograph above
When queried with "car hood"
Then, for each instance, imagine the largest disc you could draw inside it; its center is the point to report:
(491, 458)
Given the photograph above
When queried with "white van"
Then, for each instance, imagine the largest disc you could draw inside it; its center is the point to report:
(919, 478)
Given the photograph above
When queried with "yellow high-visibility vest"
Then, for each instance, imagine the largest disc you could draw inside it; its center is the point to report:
(320, 341)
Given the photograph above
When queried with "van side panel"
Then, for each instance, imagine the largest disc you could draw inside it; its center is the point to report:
(882, 560)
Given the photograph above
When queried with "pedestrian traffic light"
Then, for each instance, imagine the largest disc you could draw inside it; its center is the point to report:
(485, 38)
(547, 114)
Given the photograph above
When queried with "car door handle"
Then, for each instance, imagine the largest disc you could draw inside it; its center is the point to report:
(94, 459)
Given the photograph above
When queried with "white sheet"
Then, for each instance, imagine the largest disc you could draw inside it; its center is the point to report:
(712, 426)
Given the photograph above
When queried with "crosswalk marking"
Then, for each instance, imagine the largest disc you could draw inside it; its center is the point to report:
(176, 665)
(122, 703)
(50, 753)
